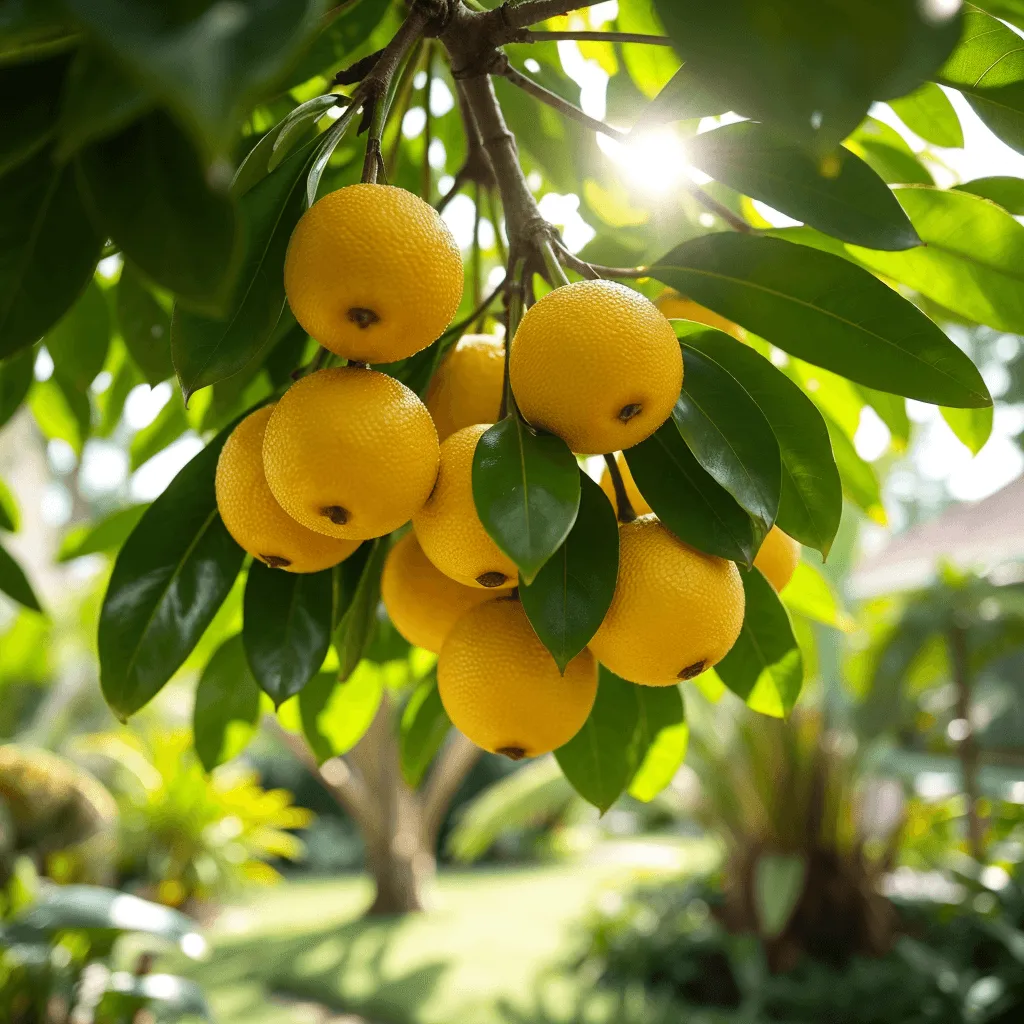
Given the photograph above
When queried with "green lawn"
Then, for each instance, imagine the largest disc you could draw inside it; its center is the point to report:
(489, 944)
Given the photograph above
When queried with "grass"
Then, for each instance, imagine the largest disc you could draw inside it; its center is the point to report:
(488, 946)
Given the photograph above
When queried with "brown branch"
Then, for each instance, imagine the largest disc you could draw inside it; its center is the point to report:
(530, 36)
(455, 762)
(594, 270)
(532, 12)
(712, 205)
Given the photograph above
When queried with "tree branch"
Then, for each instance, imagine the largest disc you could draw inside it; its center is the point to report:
(624, 506)
(530, 36)
(532, 12)
(455, 762)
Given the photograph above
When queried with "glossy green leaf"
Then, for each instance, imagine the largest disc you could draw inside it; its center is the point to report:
(29, 101)
(682, 99)
(764, 667)
(972, 426)
(227, 707)
(928, 112)
(860, 482)
(10, 517)
(838, 193)
(650, 67)
(568, 599)
(60, 412)
(887, 153)
(600, 760)
(809, 594)
(358, 578)
(424, 726)
(207, 65)
(287, 630)
(1008, 10)
(812, 70)
(150, 193)
(171, 576)
(973, 260)
(662, 736)
(730, 437)
(48, 249)
(687, 499)
(824, 309)
(104, 536)
(526, 487)
(1003, 189)
(78, 343)
(336, 714)
(14, 583)
(207, 350)
(810, 501)
(145, 327)
(988, 68)
(15, 380)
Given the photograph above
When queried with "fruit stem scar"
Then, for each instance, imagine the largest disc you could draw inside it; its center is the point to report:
(363, 317)
(336, 514)
(627, 412)
(692, 671)
(513, 753)
(276, 561)
(491, 579)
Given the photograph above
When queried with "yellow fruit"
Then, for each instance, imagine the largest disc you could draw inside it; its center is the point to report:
(778, 558)
(448, 528)
(373, 273)
(466, 388)
(636, 499)
(676, 611)
(255, 519)
(421, 601)
(596, 363)
(678, 307)
(350, 452)
(501, 687)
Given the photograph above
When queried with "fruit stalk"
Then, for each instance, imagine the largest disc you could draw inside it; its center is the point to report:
(624, 507)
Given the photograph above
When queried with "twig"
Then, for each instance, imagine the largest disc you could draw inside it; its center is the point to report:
(513, 289)
(477, 256)
(402, 102)
(531, 36)
(534, 11)
(623, 505)
(427, 184)
(358, 71)
(593, 270)
(528, 85)
(555, 274)
(461, 178)
(719, 210)
(492, 213)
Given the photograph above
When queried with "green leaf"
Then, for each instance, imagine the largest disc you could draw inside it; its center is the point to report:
(227, 707)
(886, 152)
(145, 327)
(812, 70)
(171, 576)
(811, 499)
(207, 350)
(335, 713)
(526, 487)
(209, 64)
(287, 630)
(1008, 10)
(764, 667)
(105, 536)
(78, 343)
(682, 99)
(48, 249)
(14, 583)
(569, 597)
(150, 193)
(838, 193)
(358, 576)
(60, 412)
(1003, 189)
(972, 426)
(424, 726)
(29, 100)
(988, 68)
(662, 739)
(650, 67)
(730, 437)
(170, 423)
(809, 594)
(891, 410)
(15, 380)
(686, 498)
(600, 759)
(860, 482)
(928, 113)
(972, 262)
(10, 519)
(824, 309)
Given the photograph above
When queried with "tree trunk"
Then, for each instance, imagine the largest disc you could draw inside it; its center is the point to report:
(400, 863)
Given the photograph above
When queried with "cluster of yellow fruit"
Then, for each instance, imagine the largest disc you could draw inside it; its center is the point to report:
(350, 453)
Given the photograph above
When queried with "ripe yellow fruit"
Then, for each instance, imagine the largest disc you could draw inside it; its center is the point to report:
(676, 611)
(596, 363)
(501, 687)
(678, 307)
(636, 499)
(350, 452)
(778, 558)
(253, 517)
(421, 601)
(466, 388)
(447, 526)
(373, 273)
